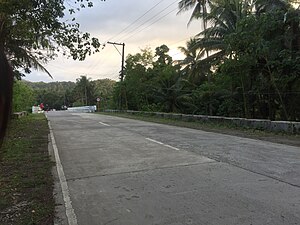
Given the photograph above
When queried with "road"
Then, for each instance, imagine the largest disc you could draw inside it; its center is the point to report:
(126, 172)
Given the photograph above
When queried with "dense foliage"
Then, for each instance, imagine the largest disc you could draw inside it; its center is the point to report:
(245, 63)
(58, 95)
(23, 97)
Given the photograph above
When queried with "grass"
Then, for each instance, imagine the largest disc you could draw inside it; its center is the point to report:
(224, 128)
(26, 183)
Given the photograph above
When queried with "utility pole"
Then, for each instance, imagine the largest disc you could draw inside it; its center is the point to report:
(123, 91)
(123, 56)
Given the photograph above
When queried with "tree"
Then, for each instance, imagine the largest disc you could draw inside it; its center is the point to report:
(192, 68)
(103, 89)
(23, 97)
(168, 91)
(136, 84)
(84, 92)
(254, 53)
(262, 6)
(33, 31)
(200, 9)
(163, 58)
(262, 65)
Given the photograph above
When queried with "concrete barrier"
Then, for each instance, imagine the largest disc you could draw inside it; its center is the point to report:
(292, 127)
(36, 109)
(18, 115)
(82, 109)
(188, 117)
(282, 126)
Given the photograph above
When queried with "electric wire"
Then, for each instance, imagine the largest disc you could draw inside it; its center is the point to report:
(160, 18)
(136, 20)
(95, 64)
(139, 18)
(148, 20)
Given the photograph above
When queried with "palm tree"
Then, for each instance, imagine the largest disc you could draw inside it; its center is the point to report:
(191, 64)
(84, 89)
(21, 57)
(199, 7)
(224, 16)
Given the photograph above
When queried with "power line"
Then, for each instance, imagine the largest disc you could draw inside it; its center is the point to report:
(138, 31)
(139, 18)
(131, 24)
(98, 61)
(174, 43)
(124, 36)
(160, 18)
(95, 64)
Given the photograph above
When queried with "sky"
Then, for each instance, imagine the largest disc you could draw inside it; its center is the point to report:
(137, 23)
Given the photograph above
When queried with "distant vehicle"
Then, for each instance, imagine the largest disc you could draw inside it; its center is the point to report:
(64, 107)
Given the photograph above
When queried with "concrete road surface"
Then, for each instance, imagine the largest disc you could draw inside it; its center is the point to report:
(117, 171)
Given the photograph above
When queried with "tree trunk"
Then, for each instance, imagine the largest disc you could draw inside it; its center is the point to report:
(244, 100)
(207, 53)
(6, 86)
(85, 94)
(279, 94)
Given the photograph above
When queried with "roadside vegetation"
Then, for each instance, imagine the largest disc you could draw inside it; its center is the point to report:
(26, 183)
(56, 95)
(244, 63)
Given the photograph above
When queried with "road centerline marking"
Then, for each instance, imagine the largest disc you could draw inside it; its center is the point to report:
(104, 124)
(160, 143)
(157, 142)
(169, 146)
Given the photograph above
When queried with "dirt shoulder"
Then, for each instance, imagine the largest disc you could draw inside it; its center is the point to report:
(281, 138)
(26, 182)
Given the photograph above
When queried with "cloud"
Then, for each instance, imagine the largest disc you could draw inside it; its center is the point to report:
(107, 19)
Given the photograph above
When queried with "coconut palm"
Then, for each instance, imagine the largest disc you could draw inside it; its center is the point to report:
(191, 64)
(24, 53)
(224, 17)
(20, 57)
(200, 9)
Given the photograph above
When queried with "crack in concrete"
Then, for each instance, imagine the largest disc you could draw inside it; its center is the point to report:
(141, 170)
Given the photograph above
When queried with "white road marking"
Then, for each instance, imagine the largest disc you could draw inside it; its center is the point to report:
(104, 124)
(149, 139)
(160, 143)
(169, 146)
(72, 219)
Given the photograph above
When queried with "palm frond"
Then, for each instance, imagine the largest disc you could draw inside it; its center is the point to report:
(196, 13)
(185, 5)
(38, 66)
(28, 60)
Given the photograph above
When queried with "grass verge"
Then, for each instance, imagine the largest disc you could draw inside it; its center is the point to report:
(276, 137)
(26, 182)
